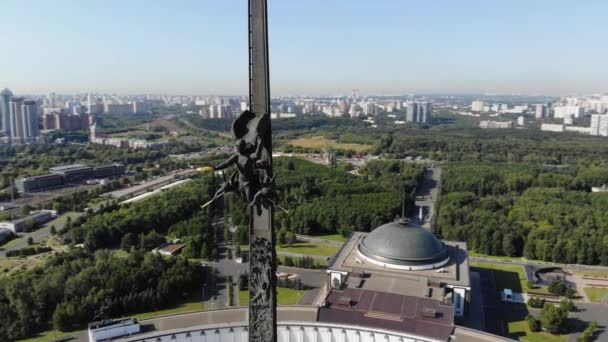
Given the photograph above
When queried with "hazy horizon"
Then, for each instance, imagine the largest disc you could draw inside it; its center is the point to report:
(316, 48)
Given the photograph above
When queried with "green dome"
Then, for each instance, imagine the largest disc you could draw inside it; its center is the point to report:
(403, 243)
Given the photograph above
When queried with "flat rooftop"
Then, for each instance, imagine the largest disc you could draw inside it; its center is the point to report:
(455, 272)
(171, 248)
(415, 315)
(72, 167)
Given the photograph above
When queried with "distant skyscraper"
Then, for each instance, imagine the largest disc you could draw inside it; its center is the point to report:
(412, 112)
(16, 119)
(5, 98)
(23, 120)
(599, 124)
(424, 112)
(541, 111)
(29, 110)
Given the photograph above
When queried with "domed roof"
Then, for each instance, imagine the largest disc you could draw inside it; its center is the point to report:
(403, 243)
(6, 92)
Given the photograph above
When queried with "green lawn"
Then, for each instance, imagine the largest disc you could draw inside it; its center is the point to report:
(10, 243)
(310, 249)
(47, 336)
(596, 294)
(62, 219)
(592, 273)
(180, 308)
(320, 262)
(331, 237)
(285, 296)
(521, 330)
(481, 255)
(121, 253)
(507, 276)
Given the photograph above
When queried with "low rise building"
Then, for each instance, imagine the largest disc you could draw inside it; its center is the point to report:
(32, 220)
(74, 173)
(7, 206)
(39, 183)
(108, 330)
(495, 124)
(61, 175)
(552, 127)
(398, 277)
(170, 249)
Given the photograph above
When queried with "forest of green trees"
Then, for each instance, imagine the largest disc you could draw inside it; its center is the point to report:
(531, 210)
(316, 199)
(156, 214)
(74, 287)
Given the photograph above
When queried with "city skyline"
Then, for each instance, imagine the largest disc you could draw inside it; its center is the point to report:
(545, 47)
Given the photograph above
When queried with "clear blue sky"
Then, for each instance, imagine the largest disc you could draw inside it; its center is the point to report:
(316, 46)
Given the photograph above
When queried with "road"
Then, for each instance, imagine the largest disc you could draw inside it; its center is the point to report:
(427, 195)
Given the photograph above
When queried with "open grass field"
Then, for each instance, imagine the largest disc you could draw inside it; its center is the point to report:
(521, 330)
(331, 237)
(13, 266)
(596, 294)
(319, 262)
(592, 273)
(319, 142)
(50, 335)
(285, 296)
(481, 255)
(187, 306)
(61, 220)
(310, 249)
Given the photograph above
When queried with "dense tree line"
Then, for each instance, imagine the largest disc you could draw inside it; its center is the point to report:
(450, 144)
(316, 199)
(72, 288)
(536, 211)
(154, 214)
(198, 234)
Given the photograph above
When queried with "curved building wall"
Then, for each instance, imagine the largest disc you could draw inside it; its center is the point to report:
(288, 331)
(405, 267)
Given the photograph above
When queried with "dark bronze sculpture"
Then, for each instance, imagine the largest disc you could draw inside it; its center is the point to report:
(252, 159)
(254, 180)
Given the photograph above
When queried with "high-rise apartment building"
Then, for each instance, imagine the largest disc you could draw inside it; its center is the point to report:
(16, 119)
(424, 112)
(29, 111)
(599, 124)
(23, 120)
(418, 112)
(412, 112)
(5, 111)
(541, 111)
